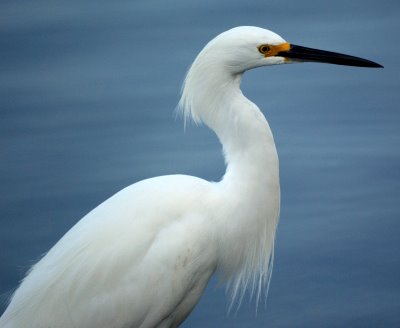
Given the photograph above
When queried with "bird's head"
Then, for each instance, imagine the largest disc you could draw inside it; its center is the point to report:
(227, 56)
(247, 47)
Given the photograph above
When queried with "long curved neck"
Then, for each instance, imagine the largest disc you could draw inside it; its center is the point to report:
(246, 213)
(248, 144)
(242, 129)
(249, 190)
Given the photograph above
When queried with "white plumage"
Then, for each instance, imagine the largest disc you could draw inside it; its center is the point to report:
(144, 256)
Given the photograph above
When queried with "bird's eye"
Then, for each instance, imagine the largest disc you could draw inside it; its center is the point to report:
(264, 48)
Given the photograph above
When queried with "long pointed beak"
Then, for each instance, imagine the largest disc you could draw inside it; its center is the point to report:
(298, 53)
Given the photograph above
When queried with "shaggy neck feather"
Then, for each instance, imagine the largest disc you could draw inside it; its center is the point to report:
(250, 185)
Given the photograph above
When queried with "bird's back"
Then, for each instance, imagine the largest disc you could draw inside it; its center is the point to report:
(140, 259)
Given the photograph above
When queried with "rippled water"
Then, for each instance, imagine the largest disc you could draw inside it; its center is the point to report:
(87, 93)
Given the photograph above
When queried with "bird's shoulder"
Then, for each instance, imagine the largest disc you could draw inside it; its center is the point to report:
(135, 215)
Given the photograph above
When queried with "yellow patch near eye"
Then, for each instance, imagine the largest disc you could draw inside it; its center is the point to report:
(269, 50)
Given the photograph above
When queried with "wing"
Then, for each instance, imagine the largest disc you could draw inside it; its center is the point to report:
(140, 259)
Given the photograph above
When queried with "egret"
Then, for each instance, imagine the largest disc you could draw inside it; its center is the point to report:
(143, 257)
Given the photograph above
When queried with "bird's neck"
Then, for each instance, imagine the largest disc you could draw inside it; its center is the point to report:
(249, 190)
(252, 172)
(212, 95)
(248, 144)
(242, 129)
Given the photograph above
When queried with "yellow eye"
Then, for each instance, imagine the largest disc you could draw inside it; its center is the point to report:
(264, 48)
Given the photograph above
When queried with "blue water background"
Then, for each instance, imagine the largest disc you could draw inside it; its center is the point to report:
(87, 97)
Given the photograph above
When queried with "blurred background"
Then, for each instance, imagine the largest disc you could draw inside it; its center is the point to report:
(87, 97)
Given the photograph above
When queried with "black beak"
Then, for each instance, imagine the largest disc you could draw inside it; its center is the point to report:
(298, 53)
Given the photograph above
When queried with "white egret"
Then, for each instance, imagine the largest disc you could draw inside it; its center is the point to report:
(143, 257)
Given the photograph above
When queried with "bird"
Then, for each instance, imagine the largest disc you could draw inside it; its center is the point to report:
(144, 257)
